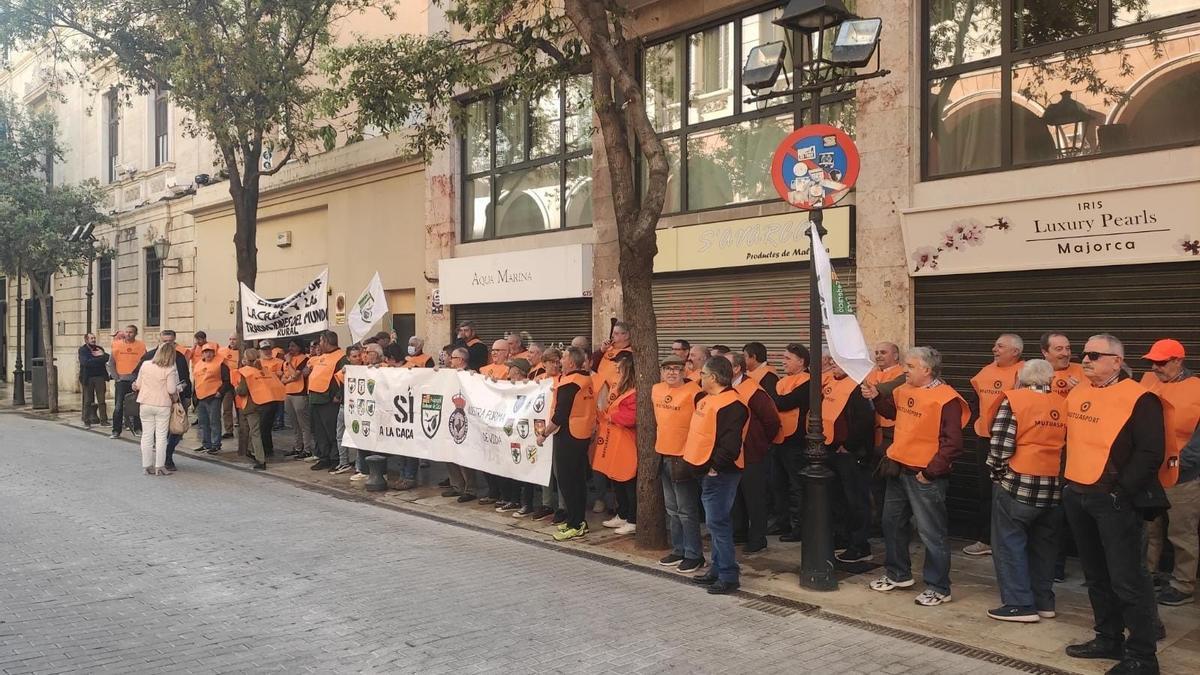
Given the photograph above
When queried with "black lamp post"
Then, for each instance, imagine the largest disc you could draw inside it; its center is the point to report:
(853, 46)
(1068, 119)
(19, 370)
(84, 233)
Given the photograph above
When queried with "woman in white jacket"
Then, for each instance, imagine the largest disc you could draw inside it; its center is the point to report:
(157, 387)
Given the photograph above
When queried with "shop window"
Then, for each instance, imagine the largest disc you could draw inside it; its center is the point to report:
(531, 170)
(1057, 80)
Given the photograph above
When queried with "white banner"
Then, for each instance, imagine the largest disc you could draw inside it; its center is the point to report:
(303, 312)
(450, 416)
(842, 332)
(368, 309)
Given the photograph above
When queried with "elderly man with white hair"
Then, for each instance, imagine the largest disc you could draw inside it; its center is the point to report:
(930, 417)
(416, 357)
(1027, 439)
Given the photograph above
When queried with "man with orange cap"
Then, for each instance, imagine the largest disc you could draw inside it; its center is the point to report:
(1180, 388)
(674, 402)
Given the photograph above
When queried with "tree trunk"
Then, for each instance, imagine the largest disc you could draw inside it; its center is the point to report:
(47, 331)
(244, 191)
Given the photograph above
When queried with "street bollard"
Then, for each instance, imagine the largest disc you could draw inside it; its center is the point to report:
(376, 468)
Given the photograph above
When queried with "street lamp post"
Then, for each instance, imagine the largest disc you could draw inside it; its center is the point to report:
(84, 233)
(19, 370)
(853, 47)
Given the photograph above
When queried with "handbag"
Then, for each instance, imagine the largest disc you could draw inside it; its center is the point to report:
(178, 425)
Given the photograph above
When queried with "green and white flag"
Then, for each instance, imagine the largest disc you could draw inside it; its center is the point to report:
(842, 332)
(367, 310)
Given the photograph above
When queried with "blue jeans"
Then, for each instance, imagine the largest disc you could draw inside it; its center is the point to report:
(905, 500)
(717, 494)
(1024, 547)
(683, 514)
(408, 467)
(208, 413)
(173, 439)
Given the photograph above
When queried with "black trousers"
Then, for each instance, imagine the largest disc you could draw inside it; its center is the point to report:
(626, 494)
(787, 483)
(1108, 532)
(854, 493)
(324, 427)
(266, 413)
(120, 390)
(750, 506)
(571, 466)
(879, 483)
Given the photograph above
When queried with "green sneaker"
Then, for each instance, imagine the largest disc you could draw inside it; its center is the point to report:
(562, 527)
(570, 533)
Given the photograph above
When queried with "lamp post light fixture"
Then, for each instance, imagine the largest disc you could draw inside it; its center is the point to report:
(162, 247)
(854, 43)
(84, 233)
(1068, 120)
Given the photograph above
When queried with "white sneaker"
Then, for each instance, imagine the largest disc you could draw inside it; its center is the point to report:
(310, 458)
(931, 598)
(599, 506)
(345, 468)
(615, 521)
(1047, 613)
(627, 528)
(359, 476)
(883, 583)
(977, 549)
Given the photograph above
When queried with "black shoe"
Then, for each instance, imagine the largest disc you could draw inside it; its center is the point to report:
(259, 466)
(1173, 597)
(227, 434)
(1134, 667)
(1097, 648)
(790, 537)
(756, 548)
(445, 483)
(451, 493)
(170, 466)
(705, 579)
(560, 516)
(670, 560)
(114, 434)
(463, 499)
(853, 555)
(213, 451)
(723, 587)
(690, 565)
(321, 465)
(776, 528)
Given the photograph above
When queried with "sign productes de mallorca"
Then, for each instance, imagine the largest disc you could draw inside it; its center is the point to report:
(1116, 227)
(765, 240)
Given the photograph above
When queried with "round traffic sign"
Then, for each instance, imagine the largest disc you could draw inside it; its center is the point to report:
(815, 166)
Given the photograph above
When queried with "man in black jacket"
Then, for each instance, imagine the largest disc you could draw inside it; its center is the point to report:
(93, 378)
(849, 440)
(476, 349)
(167, 337)
(1115, 443)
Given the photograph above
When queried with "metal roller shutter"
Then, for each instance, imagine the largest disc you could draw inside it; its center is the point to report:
(738, 306)
(550, 322)
(961, 316)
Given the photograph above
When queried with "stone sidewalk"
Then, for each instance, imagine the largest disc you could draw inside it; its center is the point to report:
(771, 575)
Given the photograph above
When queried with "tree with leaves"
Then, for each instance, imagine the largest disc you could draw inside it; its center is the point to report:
(409, 83)
(37, 218)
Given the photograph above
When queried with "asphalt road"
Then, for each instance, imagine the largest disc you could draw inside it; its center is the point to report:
(104, 569)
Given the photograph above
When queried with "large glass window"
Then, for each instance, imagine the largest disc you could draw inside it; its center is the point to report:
(162, 128)
(105, 289)
(153, 288)
(112, 114)
(1056, 80)
(531, 171)
(719, 153)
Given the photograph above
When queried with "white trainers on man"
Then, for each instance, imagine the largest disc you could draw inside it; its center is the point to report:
(931, 598)
(883, 583)
(627, 528)
(615, 521)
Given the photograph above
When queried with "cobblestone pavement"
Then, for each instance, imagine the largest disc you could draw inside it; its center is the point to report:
(103, 569)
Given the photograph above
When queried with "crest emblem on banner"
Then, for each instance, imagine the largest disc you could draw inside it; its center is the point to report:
(531, 453)
(431, 414)
(508, 427)
(457, 424)
(370, 407)
(366, 428)
(516, 452)
(523, 428)
(518, 403)
(370, 386)
(354, 426)
(539, 403)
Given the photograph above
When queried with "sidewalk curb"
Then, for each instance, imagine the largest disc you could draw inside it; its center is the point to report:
(770, 604)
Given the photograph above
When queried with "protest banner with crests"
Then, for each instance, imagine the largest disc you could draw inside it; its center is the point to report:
(450, 416)
(303, 312)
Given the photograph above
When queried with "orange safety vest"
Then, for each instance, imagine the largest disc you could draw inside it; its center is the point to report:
(1041, 431)
(196, 353)
(702, 430)
(1061, 383)
(673, 408)
(990, 383)
(582, 420)
(789, 420)
(418, 361)
(231, 357)
(606, 372)
(1095, 415)
(835, 394)
(207, 375)
(1181, 413)
(615, 453)
(264, 387)
(127, 355)
(292, 366)
(760, 372)
(320, 378)
(496, 371)
(919, 422)
(692, 376)
(275, 365)
(875, 378)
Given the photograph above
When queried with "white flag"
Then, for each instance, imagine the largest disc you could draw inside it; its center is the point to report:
(367, 310)
(842, 332)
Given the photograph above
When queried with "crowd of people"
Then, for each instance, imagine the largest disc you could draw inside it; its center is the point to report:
(1075, 452)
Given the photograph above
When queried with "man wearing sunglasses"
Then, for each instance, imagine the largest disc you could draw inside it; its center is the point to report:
(1115, 444)
(1179, 387)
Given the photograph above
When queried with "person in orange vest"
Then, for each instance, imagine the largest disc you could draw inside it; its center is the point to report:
(211, 378)
(1025, 452)
(272, 359)
(681, 349)
(1180, 388)
(469, 340)
(232, 358)
(518, 345)
(1056, 349)
(615, 452)
(499, 488)
(124, 356)
(989, 384)
(674, 403)
(368, 354)
(295, 404)
(605, 371)
(887, 374)
(1115, 446)
(758, 369)
(848, 424)
(416, 356)
(497, 369)
(462, 483)
(787, 485)
(325, 398)
(258, 393)
(714, 451)
(696, 356)
(750, 507)
(572, 423)
(535, 352)
(528, 495)
(930, 417)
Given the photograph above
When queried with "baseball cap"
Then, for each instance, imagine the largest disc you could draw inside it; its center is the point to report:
(673, 361)
(1165, 349)
(520, 364)
(208, 347)
(264, 343)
